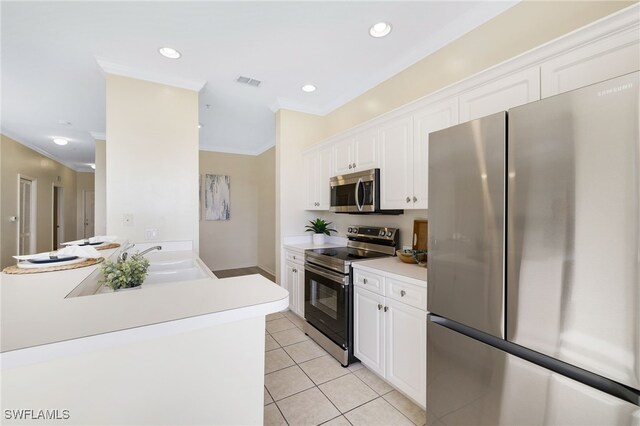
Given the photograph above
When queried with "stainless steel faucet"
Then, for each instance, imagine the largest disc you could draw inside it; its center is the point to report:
(123, 254)
(142, 253)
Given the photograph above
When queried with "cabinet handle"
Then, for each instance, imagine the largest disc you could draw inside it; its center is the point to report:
(415, 199)
(402, 293)
(294, 258)
(408, 200)
(379, 306)
(364, 281)
(386, 308)
(354, 165)
(349, 166)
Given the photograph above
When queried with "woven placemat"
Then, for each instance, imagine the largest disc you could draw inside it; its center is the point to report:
(13, 269)
(108, 246)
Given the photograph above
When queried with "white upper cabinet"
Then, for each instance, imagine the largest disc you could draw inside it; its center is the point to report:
(430, 119)
(317, 165)
(404, 154)
(356, 154)
(604, 59)
(499, 95)
(396, 164)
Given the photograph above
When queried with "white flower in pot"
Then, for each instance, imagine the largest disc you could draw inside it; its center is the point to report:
(320, 228)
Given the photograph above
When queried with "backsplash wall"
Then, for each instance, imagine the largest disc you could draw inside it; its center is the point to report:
(404, 222)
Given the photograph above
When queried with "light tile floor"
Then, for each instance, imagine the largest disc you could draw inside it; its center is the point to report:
(304, 385)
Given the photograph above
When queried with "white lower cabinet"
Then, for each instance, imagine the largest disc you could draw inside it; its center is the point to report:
(390, 333)
(294, 280)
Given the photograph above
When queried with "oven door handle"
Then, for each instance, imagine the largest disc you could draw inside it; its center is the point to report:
(340, 279)
(358, 194)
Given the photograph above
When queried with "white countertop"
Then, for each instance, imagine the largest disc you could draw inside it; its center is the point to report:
(36, 312)
(393, 265)
(311, 246)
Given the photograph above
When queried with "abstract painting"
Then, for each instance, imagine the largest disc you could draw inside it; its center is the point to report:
(216, 197)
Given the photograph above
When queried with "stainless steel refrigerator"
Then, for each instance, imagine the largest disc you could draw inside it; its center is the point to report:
(534, 263)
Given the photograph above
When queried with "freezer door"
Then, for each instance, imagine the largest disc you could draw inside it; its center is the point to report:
(466, 217)
(573, 227)
(472, 383)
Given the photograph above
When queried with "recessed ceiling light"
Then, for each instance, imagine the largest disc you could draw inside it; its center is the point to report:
(308, 88)
(169, 52)
(200, 125)
(93, 166)
(380, 29)
(60, 141)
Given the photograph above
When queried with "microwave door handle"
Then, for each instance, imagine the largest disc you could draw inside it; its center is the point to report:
(358, 194)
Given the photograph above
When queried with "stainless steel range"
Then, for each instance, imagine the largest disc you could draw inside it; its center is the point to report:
(328, 306)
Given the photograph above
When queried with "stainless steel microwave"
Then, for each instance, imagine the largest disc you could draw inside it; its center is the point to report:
(357, 193)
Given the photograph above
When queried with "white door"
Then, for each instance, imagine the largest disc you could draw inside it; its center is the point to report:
(430, 119)
(58, 217)
(343, 157)
(396, 164)
(299, 284)
(406, 356)
(89, 209)
(290, 283)
(26, 214)
(324, 172)
(309, 163)
(368, 337)
(366, 151)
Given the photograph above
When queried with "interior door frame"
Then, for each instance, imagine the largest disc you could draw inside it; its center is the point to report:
(33, 212)
(60, 214)
(84, 212)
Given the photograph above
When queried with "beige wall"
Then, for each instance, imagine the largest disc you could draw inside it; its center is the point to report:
(152, 152)
(18, 159)
(295, 131)
(101, 188)
(521, 28)
(84, 183)
(233, 243)
(266, 180)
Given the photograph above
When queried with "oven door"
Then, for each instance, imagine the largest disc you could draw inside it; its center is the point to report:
(355, 192)
(326, 303)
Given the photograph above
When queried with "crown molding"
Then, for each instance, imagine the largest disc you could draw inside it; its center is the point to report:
(41, 151)
(99, 136)
(132, 72)
(283, 103)
(251, 152)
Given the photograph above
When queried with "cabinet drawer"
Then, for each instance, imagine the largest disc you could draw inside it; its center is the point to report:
(294, 256)
(404, 292)
(371, 282)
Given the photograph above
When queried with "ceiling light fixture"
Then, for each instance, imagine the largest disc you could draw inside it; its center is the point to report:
(93, 166)
(308, 88)
(169, 52)
(64, 123)
(200, 125)
(380, 29)
(60, 141)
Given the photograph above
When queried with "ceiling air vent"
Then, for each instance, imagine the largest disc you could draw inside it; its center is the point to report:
(250, 81)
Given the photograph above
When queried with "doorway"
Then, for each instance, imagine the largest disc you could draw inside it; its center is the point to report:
(26, 215)
(58, 216)
(89, 208)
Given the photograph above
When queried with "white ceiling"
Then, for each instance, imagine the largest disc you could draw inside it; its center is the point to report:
(50, 70)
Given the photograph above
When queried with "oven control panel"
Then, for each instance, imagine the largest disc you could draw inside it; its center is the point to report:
(356, 232)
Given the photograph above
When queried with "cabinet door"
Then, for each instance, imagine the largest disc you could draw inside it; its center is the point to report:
(507, 92)
(366, 151)
(430, 119)
(343, 156)
(368, 338)
(299, 293)
(290, 283)
(310, 161)
(323, 173)
(607, 58)
(396, 164)
(406, 349)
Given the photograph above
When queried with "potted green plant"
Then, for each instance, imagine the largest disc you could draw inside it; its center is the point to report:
(125, 274)
(320, 228)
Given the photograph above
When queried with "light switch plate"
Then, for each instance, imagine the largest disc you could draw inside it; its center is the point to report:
(151, 234)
